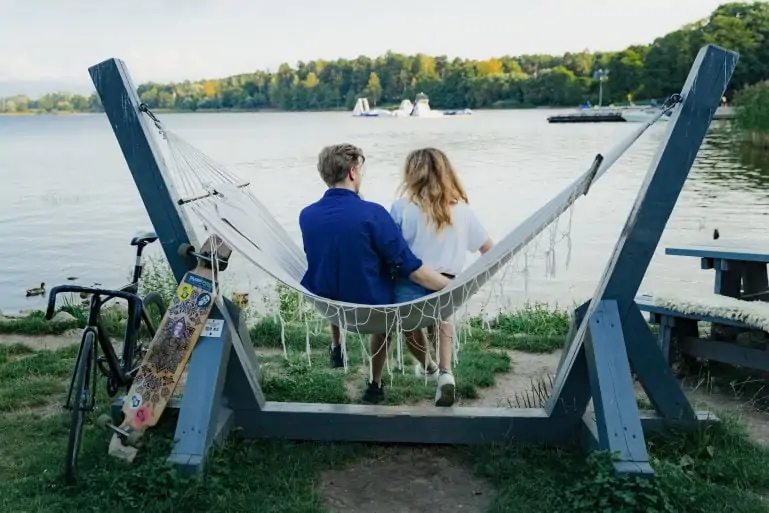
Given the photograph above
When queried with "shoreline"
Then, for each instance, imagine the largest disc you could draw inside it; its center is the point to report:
(722, 112)
(244, 111)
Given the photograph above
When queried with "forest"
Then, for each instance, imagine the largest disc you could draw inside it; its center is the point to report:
(637, 73)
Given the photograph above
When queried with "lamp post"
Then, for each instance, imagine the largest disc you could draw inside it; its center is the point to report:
(600, 75)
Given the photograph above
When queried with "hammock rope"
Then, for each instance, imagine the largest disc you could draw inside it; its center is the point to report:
(228, 208)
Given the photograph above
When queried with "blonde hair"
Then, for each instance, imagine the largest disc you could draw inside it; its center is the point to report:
(429, 180)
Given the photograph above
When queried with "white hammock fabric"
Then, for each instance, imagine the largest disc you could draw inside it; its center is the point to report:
(232, 212)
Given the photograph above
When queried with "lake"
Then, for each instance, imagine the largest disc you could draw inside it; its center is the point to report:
(68, 204)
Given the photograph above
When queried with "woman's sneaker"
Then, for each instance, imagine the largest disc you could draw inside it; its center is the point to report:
(444, 396)
(432, 375)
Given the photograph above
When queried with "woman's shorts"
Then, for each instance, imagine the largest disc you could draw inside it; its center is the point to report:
(407, 290)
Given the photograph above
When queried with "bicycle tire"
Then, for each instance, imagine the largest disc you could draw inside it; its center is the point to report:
(80, 389)
(154, 298)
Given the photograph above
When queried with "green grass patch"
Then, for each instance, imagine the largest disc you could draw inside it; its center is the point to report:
(716, 469)
(297, 380)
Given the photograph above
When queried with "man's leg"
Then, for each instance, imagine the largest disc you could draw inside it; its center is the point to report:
(336, 348)
(379, 350)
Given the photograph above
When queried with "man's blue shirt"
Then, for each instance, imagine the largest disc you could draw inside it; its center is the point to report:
(354, 249)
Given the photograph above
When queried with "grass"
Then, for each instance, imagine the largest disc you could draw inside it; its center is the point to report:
(716, 469)
(712, 470)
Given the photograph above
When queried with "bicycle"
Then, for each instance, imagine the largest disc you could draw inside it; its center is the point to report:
(119, 371)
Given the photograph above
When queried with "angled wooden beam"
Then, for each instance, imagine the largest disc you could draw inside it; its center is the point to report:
(700, 97)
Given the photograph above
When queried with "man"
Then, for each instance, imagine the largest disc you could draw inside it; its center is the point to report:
(354, 249)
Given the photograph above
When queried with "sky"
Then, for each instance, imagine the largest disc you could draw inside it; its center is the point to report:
(54, 42)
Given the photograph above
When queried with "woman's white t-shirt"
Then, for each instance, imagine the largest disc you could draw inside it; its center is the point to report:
(444, 251)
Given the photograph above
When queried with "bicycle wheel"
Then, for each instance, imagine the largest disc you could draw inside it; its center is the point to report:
(80, 401)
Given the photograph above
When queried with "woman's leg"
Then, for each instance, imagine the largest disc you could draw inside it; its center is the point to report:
(444, 395)
(446, 348)
(406, 290)
(417, 345)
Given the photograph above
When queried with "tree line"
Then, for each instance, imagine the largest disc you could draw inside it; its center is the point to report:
(637, 73)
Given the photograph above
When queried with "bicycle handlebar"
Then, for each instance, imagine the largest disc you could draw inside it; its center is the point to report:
(134, 301)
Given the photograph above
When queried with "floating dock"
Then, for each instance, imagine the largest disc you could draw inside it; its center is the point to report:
(588, 117)
(615, 116)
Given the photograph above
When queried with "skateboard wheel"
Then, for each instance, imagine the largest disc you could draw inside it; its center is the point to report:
(103, 421)
(185, 253)
(185, 249)
(133, 439)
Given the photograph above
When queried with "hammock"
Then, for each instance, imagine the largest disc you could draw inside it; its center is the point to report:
(230, 210)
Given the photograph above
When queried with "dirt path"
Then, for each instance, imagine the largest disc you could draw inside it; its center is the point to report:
(38, 342)
(408, 480)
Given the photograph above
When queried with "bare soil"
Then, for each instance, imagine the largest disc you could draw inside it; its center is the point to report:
(408, 480)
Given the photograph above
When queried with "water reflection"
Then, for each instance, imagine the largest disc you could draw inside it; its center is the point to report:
(71, 208)
(726, 162)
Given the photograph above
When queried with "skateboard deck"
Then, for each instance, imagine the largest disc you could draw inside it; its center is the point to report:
(170, 350)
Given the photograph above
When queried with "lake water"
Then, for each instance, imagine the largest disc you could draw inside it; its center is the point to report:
(68, 204)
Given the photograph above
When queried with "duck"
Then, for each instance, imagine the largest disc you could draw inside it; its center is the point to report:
(36, 291)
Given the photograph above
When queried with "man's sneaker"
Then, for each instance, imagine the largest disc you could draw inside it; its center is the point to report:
(374, 394)
(444, 396)
(336, 357)
(419, 370)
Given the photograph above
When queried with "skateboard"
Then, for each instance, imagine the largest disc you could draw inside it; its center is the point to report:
(169, 351)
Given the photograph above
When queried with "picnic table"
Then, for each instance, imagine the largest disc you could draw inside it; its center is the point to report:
(740, 273)
(740, 269)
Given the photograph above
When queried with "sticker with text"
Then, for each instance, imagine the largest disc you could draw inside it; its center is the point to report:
(213, 328)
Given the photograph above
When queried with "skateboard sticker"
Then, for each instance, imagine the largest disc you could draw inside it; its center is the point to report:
(142, 415)
(213, 328)
(179, 328)
(203, 300)
(199, 282)
(136, 400)
(185, 291)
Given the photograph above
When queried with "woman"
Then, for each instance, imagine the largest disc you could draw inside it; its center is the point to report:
(440, 228)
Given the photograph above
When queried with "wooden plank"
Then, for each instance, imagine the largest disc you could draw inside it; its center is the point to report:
(732, 354)
(652, 369)
(724, 250)
(645, 304)
(424, 425)
(618, 424)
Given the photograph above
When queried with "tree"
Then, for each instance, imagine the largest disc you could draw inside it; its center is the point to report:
(373, 88)
(641, 72)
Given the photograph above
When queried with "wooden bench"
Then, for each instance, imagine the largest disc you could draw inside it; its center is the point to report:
(740, 269)
(683, 329)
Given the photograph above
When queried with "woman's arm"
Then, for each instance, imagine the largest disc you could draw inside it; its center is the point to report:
(486, 246)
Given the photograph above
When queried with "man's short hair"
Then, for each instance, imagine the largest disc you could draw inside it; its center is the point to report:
(335, 161)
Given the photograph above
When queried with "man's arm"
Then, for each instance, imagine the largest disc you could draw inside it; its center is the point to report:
(393, 249)
(429, 278)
